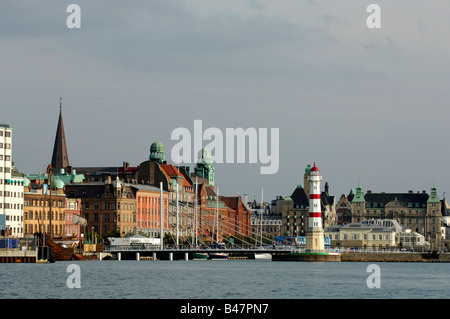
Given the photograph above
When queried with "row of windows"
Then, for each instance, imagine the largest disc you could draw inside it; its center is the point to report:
(110, 205)
(11, 206)
(14, 218)
(6, 146)
(380, 204)
(11, 194)
(43, 203)
(106, 218)
(7, 133)
(56, 229)
(43, 215)
(365, 236)
(392, 212)
(7, 157)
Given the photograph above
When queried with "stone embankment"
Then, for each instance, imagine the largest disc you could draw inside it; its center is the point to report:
(394, 257)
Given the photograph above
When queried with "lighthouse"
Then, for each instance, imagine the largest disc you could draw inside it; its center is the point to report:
(314, 233)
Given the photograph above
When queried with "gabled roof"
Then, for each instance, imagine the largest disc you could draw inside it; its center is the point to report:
(172, 171)
(299, 197)
(234, 202)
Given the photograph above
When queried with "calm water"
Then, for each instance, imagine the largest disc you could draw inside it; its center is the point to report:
(237, 279)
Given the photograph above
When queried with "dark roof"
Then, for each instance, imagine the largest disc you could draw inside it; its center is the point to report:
(403, 197)
(60, 159)
(299, 197)
(113, 170)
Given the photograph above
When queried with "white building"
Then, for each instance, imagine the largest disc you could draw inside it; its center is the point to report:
(374, 234)
(11, 187)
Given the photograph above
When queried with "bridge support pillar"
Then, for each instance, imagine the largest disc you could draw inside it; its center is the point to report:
(154, 256)
(137, 256)
(170, 256)
(186, 256)
(118, 256)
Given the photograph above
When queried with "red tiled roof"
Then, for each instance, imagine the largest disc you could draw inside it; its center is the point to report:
(172, 171)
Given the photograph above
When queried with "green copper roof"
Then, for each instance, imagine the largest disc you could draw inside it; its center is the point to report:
(308, 169)
(359, 195)
(289, 199)
(59, 180)
(434, 198)
(157, 147)
(157, 152)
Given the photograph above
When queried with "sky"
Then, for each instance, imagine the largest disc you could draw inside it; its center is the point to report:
(368, 105)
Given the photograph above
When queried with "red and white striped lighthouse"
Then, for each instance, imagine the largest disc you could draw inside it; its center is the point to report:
(314, 233)
(315, 209)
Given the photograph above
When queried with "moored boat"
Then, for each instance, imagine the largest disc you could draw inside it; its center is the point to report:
(265, 256)
(199, 256)
(218, 256)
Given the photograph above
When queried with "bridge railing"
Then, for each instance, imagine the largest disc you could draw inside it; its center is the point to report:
(235, 248)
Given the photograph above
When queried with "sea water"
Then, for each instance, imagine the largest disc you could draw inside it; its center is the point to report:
(227, 279)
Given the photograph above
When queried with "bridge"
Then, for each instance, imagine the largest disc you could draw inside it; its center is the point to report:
(185, 252)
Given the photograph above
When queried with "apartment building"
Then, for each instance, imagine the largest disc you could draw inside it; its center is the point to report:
(11, 188)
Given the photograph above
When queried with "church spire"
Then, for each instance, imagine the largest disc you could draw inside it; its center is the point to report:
(60, 158)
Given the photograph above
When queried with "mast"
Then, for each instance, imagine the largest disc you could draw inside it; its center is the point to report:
(261, 213)
(217, 215)
(178, 220)
(161, 214)
(195, 213)
(50, 202)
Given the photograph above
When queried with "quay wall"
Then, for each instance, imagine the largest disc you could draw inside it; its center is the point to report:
(394, 257)
(15, 256)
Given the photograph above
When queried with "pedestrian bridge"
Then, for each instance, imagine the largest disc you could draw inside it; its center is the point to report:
(173, 252)
(200, 249)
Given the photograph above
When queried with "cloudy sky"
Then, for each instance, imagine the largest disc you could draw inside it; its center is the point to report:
(369, 106)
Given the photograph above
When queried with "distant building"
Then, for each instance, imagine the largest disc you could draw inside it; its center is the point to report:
(45, 206)
(73, 207)
(112, 206)
(343, 211)
(237, 221)
(264, 220)
(418, 211)
(148, 212)
(374, 234)
(11, 187)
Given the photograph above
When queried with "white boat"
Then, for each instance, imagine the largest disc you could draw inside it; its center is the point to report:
(218, 256)
(263, 256)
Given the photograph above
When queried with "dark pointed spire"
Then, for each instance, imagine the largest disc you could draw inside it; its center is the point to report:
(60, 158)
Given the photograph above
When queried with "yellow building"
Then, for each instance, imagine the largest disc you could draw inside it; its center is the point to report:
(369, 234)
(44, 212)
